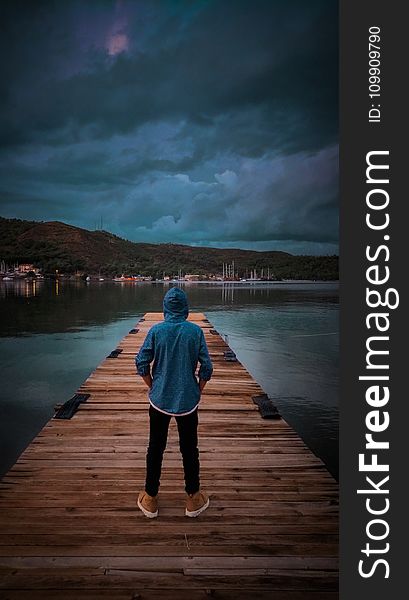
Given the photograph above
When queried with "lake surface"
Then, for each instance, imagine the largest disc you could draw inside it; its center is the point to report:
(54, 334)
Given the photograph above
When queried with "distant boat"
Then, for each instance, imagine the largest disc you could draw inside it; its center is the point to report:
(101, 279)
(7, 278)
(125, 279)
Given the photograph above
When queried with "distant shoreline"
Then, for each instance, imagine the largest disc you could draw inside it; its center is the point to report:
(172, 281)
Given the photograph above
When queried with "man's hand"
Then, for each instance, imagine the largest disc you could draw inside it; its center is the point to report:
(202, 383)
(148, 380)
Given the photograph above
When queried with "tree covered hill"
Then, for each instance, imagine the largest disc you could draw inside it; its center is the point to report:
(55, 245)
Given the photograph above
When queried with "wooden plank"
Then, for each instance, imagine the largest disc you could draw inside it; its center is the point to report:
(93, 578)
(175, 563)
(155, 594)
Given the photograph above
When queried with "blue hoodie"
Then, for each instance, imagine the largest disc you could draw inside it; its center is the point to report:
(175, 346)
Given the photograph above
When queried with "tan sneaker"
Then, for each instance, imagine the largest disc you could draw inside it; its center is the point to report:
(148, 505)
(196, 503)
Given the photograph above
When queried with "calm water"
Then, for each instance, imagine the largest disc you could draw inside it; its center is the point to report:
(53, 335)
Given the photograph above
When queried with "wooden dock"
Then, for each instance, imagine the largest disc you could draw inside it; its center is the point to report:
(70, 529)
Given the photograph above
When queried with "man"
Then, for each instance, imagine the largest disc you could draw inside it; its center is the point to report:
(175, 346)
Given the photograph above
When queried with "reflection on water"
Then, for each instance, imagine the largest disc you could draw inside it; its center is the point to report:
(20, 287)
(54, 333)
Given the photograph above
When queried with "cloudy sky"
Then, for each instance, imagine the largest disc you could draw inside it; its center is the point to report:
(206, 122)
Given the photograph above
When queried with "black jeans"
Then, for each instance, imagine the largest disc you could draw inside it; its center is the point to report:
(158, 436)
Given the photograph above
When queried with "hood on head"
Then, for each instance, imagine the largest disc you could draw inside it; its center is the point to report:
(175, 306)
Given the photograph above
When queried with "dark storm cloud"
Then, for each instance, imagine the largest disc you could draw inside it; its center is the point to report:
(141, 110)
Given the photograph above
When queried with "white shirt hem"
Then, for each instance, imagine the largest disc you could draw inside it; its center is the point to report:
(173, 414)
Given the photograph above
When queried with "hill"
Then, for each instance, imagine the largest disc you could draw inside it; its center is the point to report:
(54, 245)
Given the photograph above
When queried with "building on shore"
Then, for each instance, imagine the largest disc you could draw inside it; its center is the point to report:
(192, 277)
(27, 268)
